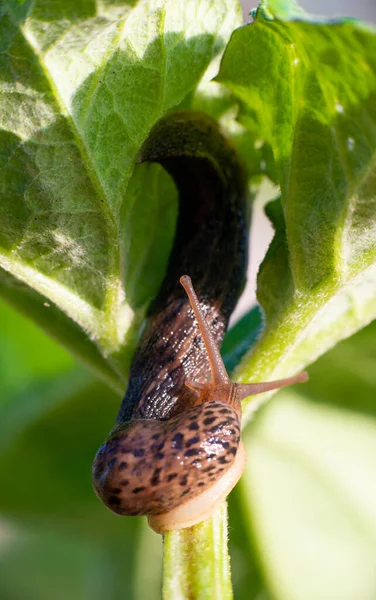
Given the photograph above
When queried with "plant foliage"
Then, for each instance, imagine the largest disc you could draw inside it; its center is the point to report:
(85, 235)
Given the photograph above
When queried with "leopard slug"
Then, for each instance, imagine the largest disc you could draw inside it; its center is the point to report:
(176, 452)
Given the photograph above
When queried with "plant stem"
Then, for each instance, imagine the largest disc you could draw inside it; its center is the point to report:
(196, 563)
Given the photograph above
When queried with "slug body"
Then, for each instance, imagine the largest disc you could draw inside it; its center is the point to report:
(176, 452)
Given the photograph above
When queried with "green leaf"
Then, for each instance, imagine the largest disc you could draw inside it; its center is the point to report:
(82, 85)
(308, 89)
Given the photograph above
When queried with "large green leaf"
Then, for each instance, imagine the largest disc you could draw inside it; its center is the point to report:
(82, 83)
(308, 89)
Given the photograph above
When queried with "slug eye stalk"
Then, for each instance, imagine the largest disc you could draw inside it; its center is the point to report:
(219, 375)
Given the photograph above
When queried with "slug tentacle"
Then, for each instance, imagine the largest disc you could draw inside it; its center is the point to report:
(176, 451)
(251, 389)
(217, 367)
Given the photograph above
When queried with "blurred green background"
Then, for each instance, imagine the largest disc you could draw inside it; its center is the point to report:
(56, 539)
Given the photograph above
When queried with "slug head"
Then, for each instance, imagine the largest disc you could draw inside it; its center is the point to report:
(178, 471)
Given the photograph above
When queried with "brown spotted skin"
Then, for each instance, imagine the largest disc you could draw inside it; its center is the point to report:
(167, 447)
(150, 467)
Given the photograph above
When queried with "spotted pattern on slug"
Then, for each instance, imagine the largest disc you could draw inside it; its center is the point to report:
(150, 470)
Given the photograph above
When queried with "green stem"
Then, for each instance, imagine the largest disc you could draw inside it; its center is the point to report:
(196, 563)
